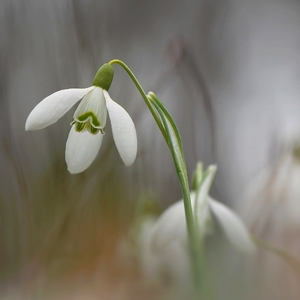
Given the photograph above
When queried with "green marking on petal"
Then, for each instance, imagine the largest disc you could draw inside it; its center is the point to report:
(91, 113)
(91, 116)
(93, 130)
(80, 127)
(104, 77)
(88, 122)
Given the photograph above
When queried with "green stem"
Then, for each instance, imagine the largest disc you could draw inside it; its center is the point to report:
(143, 94)
(179, 161)
(164, 121)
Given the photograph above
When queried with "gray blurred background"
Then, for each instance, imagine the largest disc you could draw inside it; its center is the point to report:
(229, 72)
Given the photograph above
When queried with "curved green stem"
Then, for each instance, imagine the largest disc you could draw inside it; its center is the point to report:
(143, 94)
(172, 137)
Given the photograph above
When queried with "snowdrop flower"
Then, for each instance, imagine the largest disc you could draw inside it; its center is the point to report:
(171, 226)
(166, 268)
(163, 242)
(272, 210)
(275, 190)
(88, 125)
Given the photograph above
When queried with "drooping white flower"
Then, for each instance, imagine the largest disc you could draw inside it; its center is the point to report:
(171, 226)
(275, 190)
(88, 125)
(163, 243)
(271, 207)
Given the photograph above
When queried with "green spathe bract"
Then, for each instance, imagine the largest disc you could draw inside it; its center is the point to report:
(104, 77)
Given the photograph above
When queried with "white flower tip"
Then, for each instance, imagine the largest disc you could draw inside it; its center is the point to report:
(128, 152)
(249, 248)
(74, 166)
(129, 164)
(74, 172)
(81, 150)
(234, 228)
(74, 169)
(27, 126)
(245, 245)
(30, 124)
(130, 158)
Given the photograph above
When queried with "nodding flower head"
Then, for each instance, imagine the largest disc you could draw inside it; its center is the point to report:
(89, 121)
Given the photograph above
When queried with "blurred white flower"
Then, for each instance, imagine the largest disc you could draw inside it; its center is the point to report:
(88, 126)
(164, 245)
(276, 191)
(273, 213)
(167, 268)
(171, 226)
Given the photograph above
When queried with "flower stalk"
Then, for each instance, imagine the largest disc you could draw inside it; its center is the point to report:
(172, 137)
(175, 146)
(89, 120)
(84, 142)
(143, 94)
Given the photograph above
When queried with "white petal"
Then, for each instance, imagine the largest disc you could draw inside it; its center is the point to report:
(233, 227)
(170, 227)
(81, 150)
(53, 107)
(123, 130)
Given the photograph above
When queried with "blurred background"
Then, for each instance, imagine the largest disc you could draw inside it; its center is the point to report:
(229, 72)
